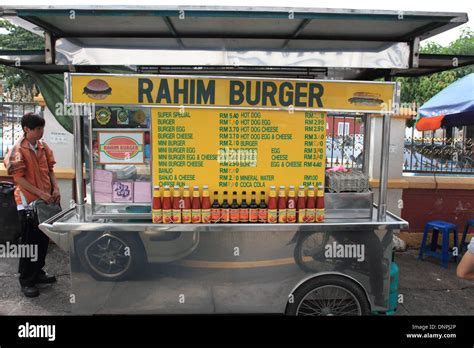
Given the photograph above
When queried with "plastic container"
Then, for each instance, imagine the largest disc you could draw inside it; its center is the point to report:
(351, 181)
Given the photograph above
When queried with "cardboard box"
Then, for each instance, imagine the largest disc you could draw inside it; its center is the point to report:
(100, 197)
(104, 176)
(122, 191)
(102, 187)
(142, 192)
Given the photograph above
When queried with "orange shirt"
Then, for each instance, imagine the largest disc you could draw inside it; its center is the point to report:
(22, 161)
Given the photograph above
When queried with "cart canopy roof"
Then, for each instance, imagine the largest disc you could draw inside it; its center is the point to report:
(232, 36)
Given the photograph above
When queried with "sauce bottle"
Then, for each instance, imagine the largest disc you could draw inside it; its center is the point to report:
(215, 209)
(225, 209)
(196, 206)
(166, 206)
(301, 205)
(282, 205)
(253, 212)
(291, 206)
(320, 205)
(157, 215)
(205, 205)
(177, 202)
(244, 209)
(262, 209)
(234, 209)
(310, 205)
(186, 210)
(272, 206)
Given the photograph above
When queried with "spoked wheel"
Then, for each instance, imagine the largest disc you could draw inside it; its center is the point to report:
(110, 256)
(329, 296)
(309, 250)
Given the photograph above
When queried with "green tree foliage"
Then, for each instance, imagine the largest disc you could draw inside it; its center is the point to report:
(17, 38)
(421, 89)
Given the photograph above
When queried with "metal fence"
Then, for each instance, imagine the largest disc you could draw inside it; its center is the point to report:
(345, 141)
(10, 126)
(439, 154)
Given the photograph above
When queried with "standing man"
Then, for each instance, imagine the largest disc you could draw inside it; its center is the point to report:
(30, 161)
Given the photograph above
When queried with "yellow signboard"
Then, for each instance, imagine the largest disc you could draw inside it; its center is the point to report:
(232, 92)
(237, 150)
(235, 134)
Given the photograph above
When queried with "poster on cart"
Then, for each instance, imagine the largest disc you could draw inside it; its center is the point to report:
(121, 148)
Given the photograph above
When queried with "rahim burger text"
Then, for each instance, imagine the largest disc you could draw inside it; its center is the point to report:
(240, 93)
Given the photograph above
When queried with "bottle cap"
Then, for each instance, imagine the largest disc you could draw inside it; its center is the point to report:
(167, 187)
(156, 187)
(301, 187)
(186, 187)
(205, 187)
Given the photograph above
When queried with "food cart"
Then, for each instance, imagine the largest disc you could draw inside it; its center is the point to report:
(136, 131)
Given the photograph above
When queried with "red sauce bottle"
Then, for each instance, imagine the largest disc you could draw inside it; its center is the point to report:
(186, 206)
(234, 209)
(291, 206)
(157, 215)
(310, 205)
(177, 202)
(244, 209)
(205, 205)
(272, 206)
(262, 209)
(166, 206)
(196, 206)
(253, 211)
(320, 205)
(282, 205)
(215, 209)
(301, 205)
(225, 209)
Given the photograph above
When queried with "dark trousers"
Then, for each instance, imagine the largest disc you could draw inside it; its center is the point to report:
(33, 238)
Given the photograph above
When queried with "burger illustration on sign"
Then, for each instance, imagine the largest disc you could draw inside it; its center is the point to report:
(366, 98)
(97, 89)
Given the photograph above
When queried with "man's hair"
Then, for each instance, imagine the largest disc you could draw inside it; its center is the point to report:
(32, 120)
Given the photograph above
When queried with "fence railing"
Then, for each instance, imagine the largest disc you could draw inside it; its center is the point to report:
(345, 141)
(10, 126)
(436, 153)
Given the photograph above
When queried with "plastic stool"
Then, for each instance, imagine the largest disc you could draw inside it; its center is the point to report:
(445, 254)
(463, 244)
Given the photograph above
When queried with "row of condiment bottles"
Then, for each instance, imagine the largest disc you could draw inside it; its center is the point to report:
(183, 209)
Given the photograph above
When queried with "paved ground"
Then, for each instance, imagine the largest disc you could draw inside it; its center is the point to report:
(427, 288)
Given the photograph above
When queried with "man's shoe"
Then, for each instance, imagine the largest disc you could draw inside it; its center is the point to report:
(30, 291)
(45, 279)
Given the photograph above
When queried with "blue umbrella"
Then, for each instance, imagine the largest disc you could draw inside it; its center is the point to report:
(453, 106)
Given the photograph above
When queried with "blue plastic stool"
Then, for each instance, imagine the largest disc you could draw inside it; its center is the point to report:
(445, 254)
(463, 244)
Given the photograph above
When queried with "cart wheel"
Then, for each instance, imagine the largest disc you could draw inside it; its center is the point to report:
(329, 296)
(309, 251)
(111, 256)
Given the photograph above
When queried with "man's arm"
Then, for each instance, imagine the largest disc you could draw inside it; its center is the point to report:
(465, 268)
(56, 195)
(45, 196)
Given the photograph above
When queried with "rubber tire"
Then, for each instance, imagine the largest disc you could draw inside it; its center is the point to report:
(131, 239)
(337, 280)
(297, 253)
